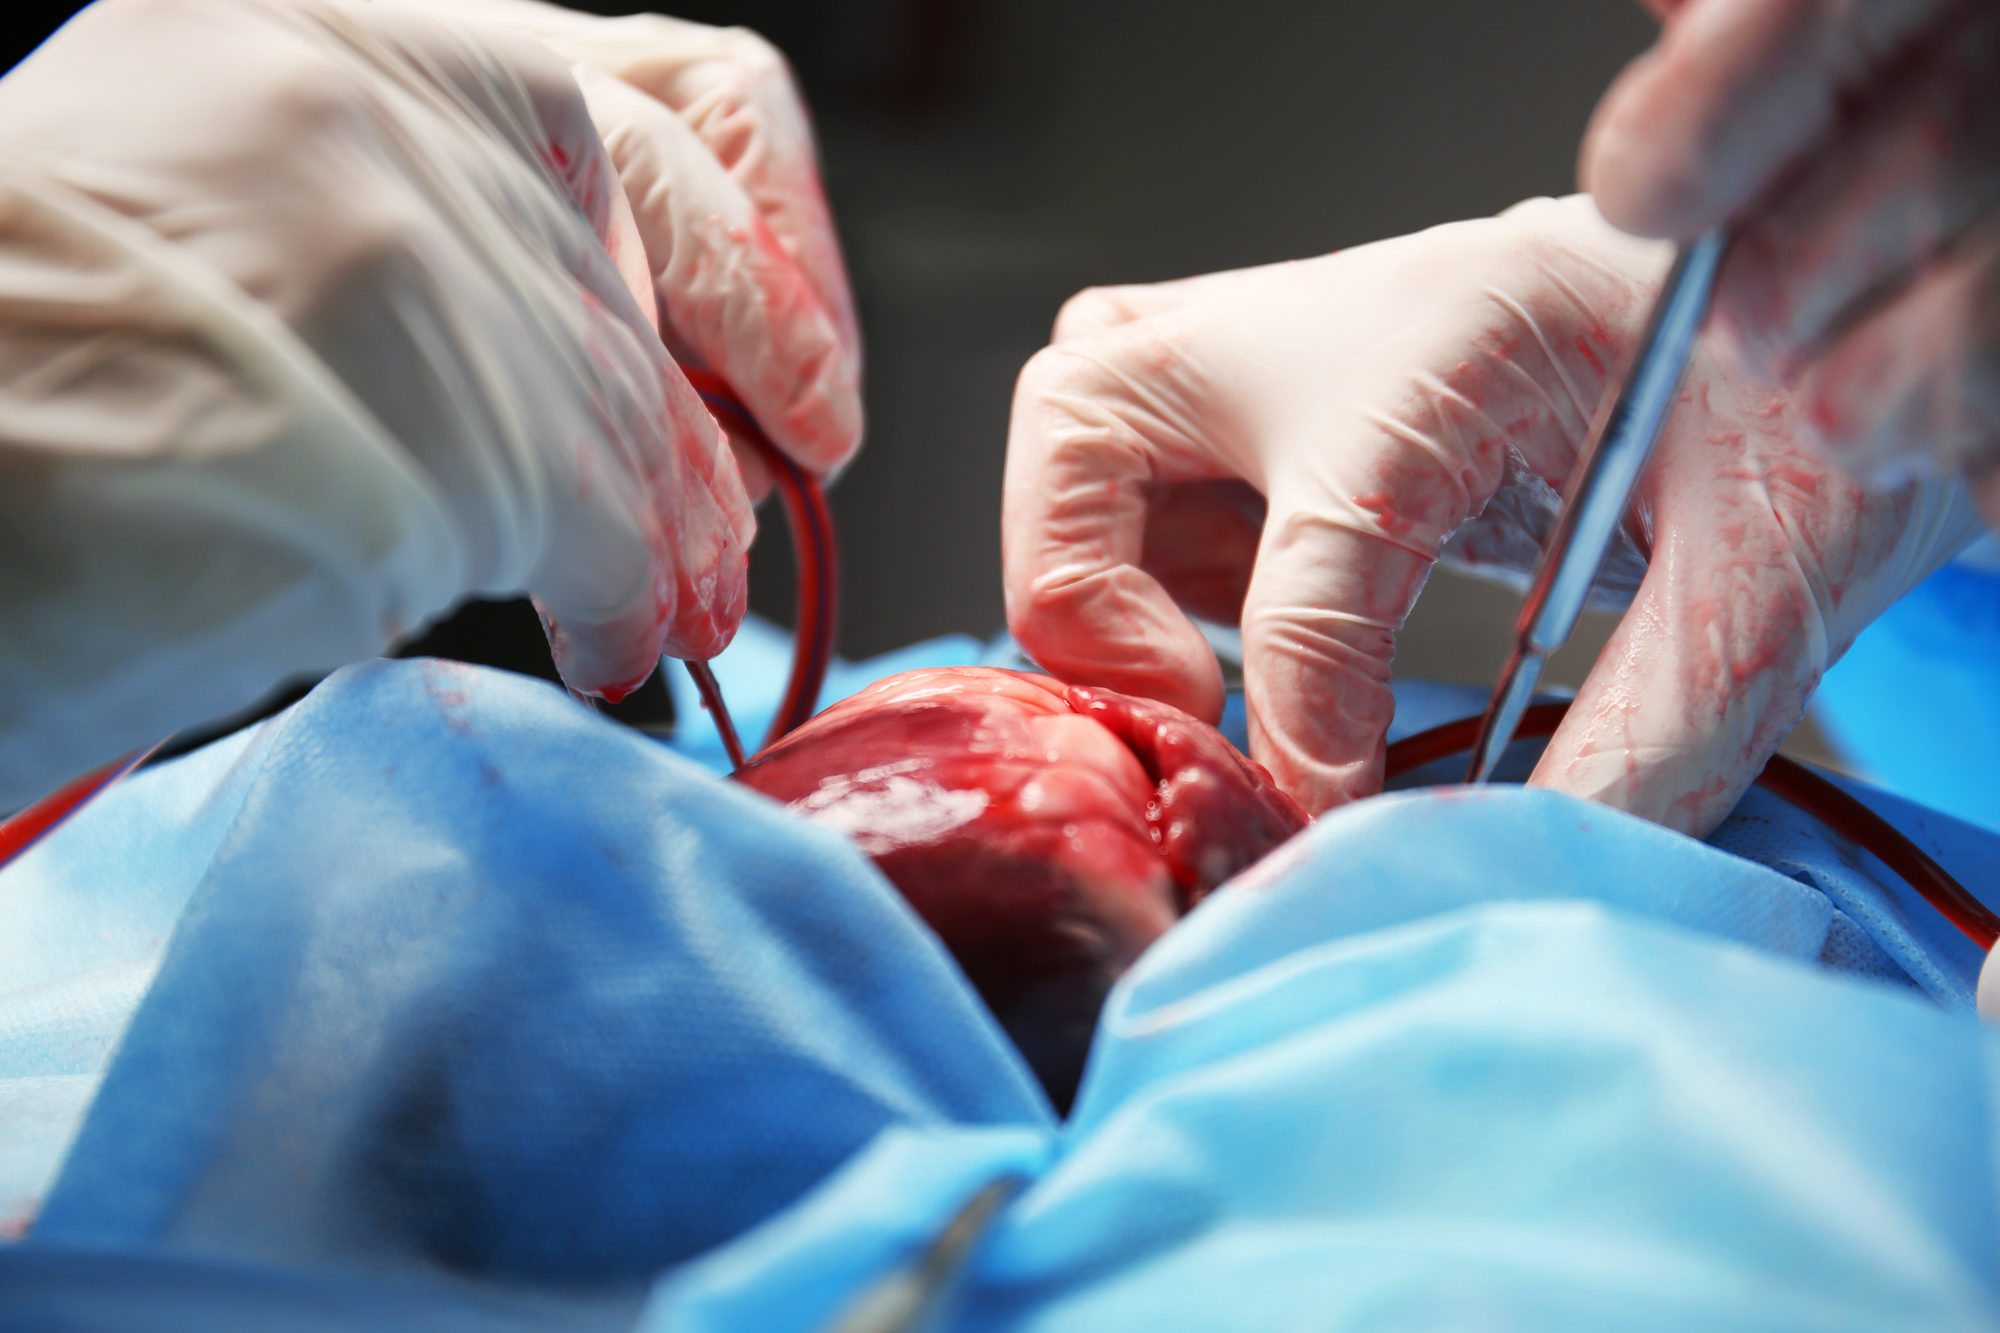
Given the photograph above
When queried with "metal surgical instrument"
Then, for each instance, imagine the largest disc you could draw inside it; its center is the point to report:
(916, 1296)
(1600, 491)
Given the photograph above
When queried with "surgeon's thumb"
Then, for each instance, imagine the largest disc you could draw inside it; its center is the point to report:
(1319, 635)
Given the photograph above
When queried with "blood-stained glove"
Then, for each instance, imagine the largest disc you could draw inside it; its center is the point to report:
(1380, 398)
(712, 139)
(1857, 145)
(308, 328)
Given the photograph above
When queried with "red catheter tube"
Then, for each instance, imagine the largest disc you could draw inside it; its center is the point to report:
(31, 825)
(811, 523)
(1790, 781)
(711, 700)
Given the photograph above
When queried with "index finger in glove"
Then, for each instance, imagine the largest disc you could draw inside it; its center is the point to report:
(643, 528)
(648, 552)
(650, 525)
(1085, 442)
(1200, 537)
(729, 290)
(1732, 95)
(1097, 309)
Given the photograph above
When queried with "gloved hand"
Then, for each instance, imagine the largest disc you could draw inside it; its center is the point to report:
(1378, 399)
(1857, 143)
(308, 328)
(712, 140)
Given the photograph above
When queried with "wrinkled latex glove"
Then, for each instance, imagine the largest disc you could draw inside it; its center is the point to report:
(709, 133)
(1857, 142)
(1380, 398)
(309, 328)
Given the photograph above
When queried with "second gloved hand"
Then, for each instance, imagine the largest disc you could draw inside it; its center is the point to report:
(1390, 399)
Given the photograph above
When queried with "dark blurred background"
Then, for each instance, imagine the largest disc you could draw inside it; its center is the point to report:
(987, 158)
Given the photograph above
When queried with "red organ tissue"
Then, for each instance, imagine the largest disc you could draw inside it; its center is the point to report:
(1048, 834)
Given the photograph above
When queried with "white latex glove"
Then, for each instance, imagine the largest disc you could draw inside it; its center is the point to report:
(1857, 142)
(1379, 398)
(308, 329)
(709, 133)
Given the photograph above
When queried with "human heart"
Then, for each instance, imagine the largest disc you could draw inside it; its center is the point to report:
(1048, 834)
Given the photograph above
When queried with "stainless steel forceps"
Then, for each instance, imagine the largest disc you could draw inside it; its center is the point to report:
(1600, 491)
